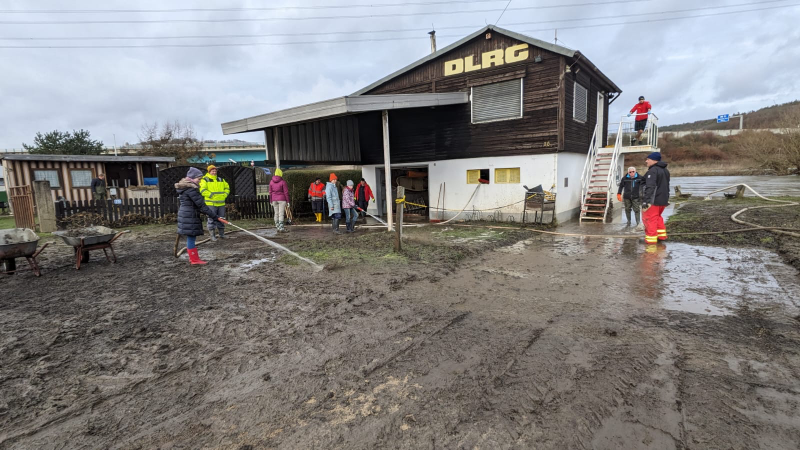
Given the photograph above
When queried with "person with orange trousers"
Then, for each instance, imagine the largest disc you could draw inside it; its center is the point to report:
(656, 199)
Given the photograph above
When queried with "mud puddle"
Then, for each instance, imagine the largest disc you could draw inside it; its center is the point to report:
(682, 277)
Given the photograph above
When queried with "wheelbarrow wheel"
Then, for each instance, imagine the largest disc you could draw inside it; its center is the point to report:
(9, 266)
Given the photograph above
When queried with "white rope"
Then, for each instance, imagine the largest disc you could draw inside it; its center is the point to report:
(465, 206)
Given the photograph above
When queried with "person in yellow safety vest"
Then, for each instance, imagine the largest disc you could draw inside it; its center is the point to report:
(215, 190)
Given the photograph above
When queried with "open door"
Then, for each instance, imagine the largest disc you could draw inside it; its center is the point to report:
(380, 191)
(601, 115)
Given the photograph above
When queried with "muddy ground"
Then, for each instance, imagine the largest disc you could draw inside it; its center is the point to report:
(715, 215)
(473, 338)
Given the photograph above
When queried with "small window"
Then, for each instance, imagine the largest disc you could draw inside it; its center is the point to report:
(478, 176)
(80, 178)
(497, 101)
(579, 102)
(47, 175)
(506, 176)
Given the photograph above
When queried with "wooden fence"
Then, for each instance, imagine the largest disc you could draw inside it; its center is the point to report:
(22, 203)
(114, 210)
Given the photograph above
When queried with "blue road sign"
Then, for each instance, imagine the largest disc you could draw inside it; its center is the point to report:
(723, 118)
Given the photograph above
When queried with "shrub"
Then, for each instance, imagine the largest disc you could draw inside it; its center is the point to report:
(300, 180)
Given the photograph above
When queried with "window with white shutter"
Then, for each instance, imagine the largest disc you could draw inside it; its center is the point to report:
(580, 101)
(497, 101)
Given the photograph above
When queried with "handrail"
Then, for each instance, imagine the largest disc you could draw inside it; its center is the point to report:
(613, 169)
(588, 166)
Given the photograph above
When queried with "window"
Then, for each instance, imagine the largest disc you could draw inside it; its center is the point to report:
(506, 176)
(49, 175)
(497, 101)
(80, 178)
(580, 100)
(478, 176)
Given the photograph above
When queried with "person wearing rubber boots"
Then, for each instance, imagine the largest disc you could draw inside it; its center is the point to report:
(630, 187)
(191, 205)
(642, 110)
(363, 194)
(656, 198)
(316, 192)
(334, 202)
(215, 191)
(279, 197)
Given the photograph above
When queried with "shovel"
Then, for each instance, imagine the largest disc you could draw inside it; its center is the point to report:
(316, 266)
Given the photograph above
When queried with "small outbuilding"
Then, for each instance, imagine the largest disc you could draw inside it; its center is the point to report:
(497, 109)
(70, 176)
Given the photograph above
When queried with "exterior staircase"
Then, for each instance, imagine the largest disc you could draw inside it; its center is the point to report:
(603, 165)
(596, 198)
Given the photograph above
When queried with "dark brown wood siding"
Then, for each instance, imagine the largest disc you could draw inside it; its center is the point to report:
(576, 134)
(332, 140)
(447, 132)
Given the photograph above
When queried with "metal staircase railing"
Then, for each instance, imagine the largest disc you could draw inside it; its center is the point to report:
(588, 168)
(613, 170)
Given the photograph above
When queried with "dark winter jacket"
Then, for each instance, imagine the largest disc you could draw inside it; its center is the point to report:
(656, 188)
(98, 186)
(278, 189)
(631, 186)
(191, 205)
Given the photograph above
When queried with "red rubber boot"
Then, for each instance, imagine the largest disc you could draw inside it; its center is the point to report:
(194, 258)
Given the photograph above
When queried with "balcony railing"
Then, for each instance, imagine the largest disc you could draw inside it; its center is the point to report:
(627, 127)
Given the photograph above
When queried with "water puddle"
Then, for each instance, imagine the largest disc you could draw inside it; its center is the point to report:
(256, 262)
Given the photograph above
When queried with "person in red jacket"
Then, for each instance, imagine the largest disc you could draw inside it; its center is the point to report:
(363, 195)
(316, 192)
(642, 110)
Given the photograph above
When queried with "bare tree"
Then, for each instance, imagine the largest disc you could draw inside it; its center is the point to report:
(790, 128)
(170, 139)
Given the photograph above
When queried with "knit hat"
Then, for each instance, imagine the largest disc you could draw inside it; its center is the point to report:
(350, 183)
(211, 167)
(655, 156)
(194, 172)
(278, 173)
(332, 177)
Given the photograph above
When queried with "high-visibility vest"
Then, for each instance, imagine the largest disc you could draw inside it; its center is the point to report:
(316, 191)
(214, 190)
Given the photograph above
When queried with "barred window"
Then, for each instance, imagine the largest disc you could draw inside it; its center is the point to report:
(580, 100)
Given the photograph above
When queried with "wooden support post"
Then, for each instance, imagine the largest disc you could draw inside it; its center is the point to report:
(45, 206)
(398, 237)
(387, 167)
(275, 133)
(266, 146)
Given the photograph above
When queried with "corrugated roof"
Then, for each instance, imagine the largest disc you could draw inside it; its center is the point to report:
(558, 49)
(88, 158)
(342, 106)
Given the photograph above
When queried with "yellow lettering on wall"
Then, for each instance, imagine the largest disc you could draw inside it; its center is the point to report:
(492, 58)
(454, 67)
(517, 53)
(469, 64)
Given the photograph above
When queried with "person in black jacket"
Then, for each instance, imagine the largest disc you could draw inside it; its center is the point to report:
(630, 187)
(191, 205)
(98, 188)
(656, 198)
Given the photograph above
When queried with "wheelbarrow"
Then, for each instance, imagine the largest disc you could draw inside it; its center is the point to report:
(87, 239)
(19, 243)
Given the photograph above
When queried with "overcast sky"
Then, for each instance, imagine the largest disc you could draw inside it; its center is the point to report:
(689, 69)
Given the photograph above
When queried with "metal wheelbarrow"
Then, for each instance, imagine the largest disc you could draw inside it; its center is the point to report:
(91, 238)
(19, 243)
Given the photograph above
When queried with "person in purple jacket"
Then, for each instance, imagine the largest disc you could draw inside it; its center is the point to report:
(279, 197)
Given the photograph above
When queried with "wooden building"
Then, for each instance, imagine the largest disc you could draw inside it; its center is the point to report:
(70, 176)
(495, 106)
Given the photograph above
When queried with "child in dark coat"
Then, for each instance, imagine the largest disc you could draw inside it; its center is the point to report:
(191, 205)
